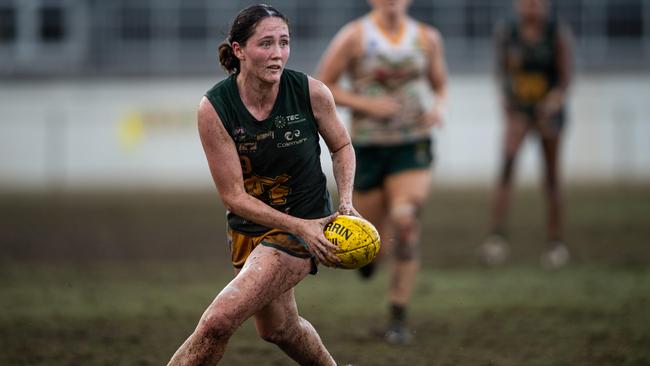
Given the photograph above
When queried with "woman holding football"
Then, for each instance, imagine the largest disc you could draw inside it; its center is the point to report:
(260, 131)
(388, 56)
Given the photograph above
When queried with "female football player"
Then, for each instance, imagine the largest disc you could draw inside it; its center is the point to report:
(534, 67)
(388, 56)
(260, 131)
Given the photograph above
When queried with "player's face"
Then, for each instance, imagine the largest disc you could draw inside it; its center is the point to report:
(532, 9)
(393, 7)
(266, 52)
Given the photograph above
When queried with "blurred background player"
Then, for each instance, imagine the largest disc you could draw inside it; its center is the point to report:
(389, 57)
(534, 70)
(260, 132)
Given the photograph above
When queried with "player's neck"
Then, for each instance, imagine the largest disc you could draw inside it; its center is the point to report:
(532, 22)
(532, 28)
(392, 23)
(258, 96)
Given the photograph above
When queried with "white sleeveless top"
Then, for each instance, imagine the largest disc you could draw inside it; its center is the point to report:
(396, 68)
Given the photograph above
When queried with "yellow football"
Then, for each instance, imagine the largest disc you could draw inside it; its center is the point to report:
(357, 239)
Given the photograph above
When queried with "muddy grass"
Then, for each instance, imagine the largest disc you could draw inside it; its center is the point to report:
(121, 279)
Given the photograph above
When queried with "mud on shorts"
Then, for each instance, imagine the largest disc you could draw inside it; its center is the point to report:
(241, 245)
(376, 162)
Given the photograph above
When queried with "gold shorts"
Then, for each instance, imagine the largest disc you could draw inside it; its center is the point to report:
(241, 246)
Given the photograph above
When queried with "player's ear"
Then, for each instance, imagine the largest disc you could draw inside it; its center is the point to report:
(238, 50)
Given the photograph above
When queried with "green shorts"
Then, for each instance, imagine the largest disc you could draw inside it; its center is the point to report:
(376, 162)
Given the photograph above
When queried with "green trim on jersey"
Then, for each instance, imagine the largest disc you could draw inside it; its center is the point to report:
(280, 155)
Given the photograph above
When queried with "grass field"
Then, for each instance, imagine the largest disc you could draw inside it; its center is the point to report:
(121, 279)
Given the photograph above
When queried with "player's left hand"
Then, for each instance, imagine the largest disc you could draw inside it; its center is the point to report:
(345, 208)
(550, 106)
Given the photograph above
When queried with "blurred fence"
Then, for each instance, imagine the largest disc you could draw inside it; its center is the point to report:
(111, 114)
(141, 133)
(91, 37)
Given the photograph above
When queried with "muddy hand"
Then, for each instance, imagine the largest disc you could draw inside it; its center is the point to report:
(346, 208)
(322, 248)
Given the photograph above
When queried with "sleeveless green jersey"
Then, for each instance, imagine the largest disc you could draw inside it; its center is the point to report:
(279, 156)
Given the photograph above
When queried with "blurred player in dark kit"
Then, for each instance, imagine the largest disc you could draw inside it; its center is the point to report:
(534, 69)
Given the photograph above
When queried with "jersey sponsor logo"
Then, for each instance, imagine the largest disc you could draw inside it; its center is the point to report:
(244, 143)
(292, 138)
(239, 134)
(291, 143)
(283, 121)
(298, 120)
(265, 135)
(247, 146)
(279, 122)
(290, 135)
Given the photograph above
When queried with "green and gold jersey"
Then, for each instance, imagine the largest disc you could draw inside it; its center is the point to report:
(279, 156)
(530, 69)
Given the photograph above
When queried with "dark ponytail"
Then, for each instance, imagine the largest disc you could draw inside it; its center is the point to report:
(227, 58)
(242, 28)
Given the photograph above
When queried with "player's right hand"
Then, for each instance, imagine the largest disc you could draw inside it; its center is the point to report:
(382, 107)
(311, 231)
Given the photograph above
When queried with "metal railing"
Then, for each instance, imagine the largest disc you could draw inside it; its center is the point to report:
(162, 37)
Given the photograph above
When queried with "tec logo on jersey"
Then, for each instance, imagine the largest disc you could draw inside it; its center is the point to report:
(283, 121)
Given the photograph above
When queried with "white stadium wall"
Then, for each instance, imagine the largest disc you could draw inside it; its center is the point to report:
(141, 134)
